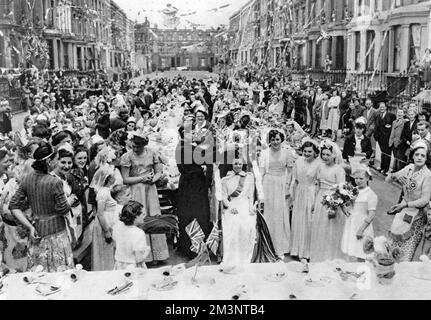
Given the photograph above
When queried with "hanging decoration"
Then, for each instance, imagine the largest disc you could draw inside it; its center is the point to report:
(170, 18)
(323, 36)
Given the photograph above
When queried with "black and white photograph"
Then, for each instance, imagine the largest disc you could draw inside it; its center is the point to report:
(226, 151)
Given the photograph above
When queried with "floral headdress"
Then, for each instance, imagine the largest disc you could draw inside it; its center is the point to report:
(336, 152)
(99, 179)
(106, 155)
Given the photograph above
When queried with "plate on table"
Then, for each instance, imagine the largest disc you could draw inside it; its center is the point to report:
(240, 293)
(322, 282)
(166, 284)
(229, 269)
(173, 271)
(33, 278)
(275, 277)
(46, 289)
(295, 266)
(422, 274)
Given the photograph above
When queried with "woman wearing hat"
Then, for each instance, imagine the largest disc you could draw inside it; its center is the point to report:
(103, 119)
(276, 107)
(193, 202)
(50, 244)
(410, 215)
(201, 127)
(141, 169)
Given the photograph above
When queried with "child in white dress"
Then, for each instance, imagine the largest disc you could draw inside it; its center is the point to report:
(122, 195)
(130, 241)
(358, 224)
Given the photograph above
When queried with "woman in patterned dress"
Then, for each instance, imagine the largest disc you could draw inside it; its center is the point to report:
(141, 169)
(50, 243)
(410, 216)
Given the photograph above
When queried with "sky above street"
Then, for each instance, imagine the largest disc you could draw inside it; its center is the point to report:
(134, 10)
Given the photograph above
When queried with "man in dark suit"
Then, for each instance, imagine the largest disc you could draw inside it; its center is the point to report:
(396, 142)
(370, 115)
(382, 134)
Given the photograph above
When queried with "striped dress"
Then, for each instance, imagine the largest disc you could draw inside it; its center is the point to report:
(44, 193)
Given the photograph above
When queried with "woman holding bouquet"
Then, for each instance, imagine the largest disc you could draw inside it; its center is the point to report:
(359, 219)
(410, 215)
(327, 225)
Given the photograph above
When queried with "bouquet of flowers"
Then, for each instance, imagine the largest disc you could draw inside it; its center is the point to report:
(344, 195)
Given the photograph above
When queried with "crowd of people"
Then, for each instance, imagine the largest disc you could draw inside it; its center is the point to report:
(253, 156)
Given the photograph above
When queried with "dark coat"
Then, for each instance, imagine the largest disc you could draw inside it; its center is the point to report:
(406, 135)
(384, 127)
(350, 145)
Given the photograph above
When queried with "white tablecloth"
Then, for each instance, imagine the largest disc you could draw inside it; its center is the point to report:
(326, 284)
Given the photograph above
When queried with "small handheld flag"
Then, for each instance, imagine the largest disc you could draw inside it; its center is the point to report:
(196, 235)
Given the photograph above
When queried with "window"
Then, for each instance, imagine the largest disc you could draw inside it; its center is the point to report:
(359, 8)
(203, 61)
(66, 55)
(415, 42)
(397, 48)
(357, 50)
(310, 53)
(318, 62)
(313, 12)
(371, 35)
(339, 54)
(366, 8)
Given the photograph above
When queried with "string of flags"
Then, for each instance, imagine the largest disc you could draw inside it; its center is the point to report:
(219, 8)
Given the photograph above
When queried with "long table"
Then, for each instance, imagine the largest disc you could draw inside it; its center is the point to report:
(325, 283)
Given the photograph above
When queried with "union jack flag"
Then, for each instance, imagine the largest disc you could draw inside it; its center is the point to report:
(213, 238)
(196, 235)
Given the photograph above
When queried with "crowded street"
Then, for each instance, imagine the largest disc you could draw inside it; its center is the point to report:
(260, 150)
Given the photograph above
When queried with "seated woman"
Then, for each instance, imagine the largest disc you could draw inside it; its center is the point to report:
(238, 218)
(410, 216)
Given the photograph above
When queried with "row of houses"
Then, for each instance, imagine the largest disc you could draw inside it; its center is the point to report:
(163, 49)
(372, 43)
(80, 35)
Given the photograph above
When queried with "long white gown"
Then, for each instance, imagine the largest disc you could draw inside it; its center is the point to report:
(239, 230)
(350, 245)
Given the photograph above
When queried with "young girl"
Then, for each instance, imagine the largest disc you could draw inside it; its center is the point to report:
(358, 224)
(130, 241)
(121, 194)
